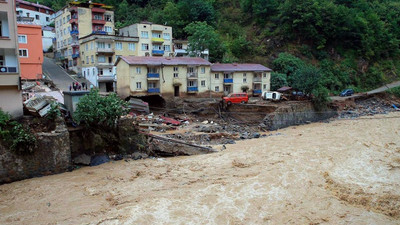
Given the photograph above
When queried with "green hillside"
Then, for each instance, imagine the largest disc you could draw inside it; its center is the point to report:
(348, 43)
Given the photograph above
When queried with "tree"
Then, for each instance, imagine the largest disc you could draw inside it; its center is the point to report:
(97, 111)
(278, 80)
(287, 63)
(203, 36)
(305, 79)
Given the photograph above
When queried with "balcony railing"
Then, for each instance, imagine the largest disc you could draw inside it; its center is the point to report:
(193, 89)
(153, 75)
(74, 32)
(98, 10)
(104, 64)
(107, 50)
(74, 43)
(157, 40)
(98, 21)
(153, 90)
(157, 52)
(8, 69)
(99, 32)
(192, 75)
(228, 80)
(257, 80)
(76, 55)
(257, 91)
(73, 20)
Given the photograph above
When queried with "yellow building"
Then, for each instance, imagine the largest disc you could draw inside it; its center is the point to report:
(235, 78)
(10, 94)
(79, 20)
(154, 39)
(98, 54)
(183, 76)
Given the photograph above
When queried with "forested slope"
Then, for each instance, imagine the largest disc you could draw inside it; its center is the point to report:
(347, 43)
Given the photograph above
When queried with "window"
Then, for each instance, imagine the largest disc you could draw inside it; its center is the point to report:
(145, 34)
(265, 75)
(138, 85)
(101, 45)
(203, 70)
(167, 48)
(176, 69)
(100, 71)
(191, 83)
(216, 76)
(22, 39)
(145, 47)
(86, 46)
(97, 17)
(101, 59)
(190, 70)
(118, 45)
(152, 85)
(166, 36)
(217, 88)
(107, 29)
(94, 71)
(37, 17)
(265, 87)
(178, 46)
(92, 58)
(47, 19)
(91, 45)
(27, 14)
(226, 75)
(1, 60)
(87, 59)
(244, 75)
(138, 70)
(203, 83)
(108, 18)
(23, 53)
(157, 47)
(176, 75)
(64, 20)
(131, 46)
(244, 80)
(68, 17)
(156, 35)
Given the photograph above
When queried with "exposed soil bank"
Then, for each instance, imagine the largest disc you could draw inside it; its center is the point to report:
(343, 172)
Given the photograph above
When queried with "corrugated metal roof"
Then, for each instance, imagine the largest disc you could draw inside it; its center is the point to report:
(157, 61)
(236, 67)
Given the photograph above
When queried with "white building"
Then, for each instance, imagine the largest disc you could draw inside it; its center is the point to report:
(40, 14)
(47, 38)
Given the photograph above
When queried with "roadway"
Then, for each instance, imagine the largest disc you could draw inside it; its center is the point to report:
(375, 91)
(54, 72)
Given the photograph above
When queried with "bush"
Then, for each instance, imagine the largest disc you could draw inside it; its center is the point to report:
(97, 111)
(278, 80)
(394, 91)
(14, 136)
(287, 63)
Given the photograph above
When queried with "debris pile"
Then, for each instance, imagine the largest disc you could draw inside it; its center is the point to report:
(369, 107)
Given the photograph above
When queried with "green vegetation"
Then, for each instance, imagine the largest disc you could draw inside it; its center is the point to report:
(97, 111)
(394, 91)
(14, 136)
(278, 80)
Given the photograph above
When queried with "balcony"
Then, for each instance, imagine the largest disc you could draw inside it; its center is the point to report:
(99, 32)
(104, 64)
(157, 52)
(74, 32)
(257, 80)
(98, 10)
(157, 40)
(257, 91)
(105, 50)
(154, 76)
(192, 75)
(73, 20)
(75, 55)
(193, 89)
(153, 90)
(106, 78)
(8, 69)
(98, 21)
(180, 51)
(75, 44)
(228, 80)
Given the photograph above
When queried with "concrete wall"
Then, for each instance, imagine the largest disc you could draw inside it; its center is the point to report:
(52, 155)
(11, 100)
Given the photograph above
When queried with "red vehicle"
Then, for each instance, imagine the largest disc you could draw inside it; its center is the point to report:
(234, 98)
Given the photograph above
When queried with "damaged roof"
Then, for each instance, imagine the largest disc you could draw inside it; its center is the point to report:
(236, 67)
(158, 61)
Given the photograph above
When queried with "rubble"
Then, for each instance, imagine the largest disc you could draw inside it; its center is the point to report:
(367, 107)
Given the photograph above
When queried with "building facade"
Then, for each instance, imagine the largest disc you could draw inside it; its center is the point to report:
(154, 39)
(11, 98)
(99, 53)
(40, 14)
(181, 49)
(49, 34)
(79, 20)
(30, 51)
(140, 76)
(235, 78)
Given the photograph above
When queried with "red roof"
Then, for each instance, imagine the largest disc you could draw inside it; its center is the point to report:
(34, 5)
(235, 67)
(157, 61)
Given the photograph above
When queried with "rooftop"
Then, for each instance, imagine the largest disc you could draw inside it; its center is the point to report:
(34, 5)
(236, 67)
(157, 61)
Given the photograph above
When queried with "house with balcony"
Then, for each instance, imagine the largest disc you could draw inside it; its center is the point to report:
(234, 78)
(98, 53)
(164, 76)
(40, 14)
(11, 98)
(181, 49)
(76, 20)
(154, 39)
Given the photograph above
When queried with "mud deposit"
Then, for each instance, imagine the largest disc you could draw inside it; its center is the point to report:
(343, 172)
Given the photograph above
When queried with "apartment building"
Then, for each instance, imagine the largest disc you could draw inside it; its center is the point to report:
(79, 20)
(11, 98)
(181, 49)
(234, 78)
(40, 14)
(154, 39)
(99, 53)
(30, 50)
(183, 76)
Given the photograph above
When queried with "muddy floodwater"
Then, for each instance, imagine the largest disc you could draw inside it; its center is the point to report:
(342, 172)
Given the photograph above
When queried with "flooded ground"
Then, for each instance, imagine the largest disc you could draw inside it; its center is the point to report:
(343, 172)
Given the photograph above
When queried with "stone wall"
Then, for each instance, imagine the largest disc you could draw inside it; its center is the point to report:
(295, 114)
(52, 155)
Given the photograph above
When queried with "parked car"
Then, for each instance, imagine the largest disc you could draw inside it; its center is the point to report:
(235, 98)
(274, 95)
(347, 92)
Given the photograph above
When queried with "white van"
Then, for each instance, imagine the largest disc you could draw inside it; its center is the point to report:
(273, 95)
